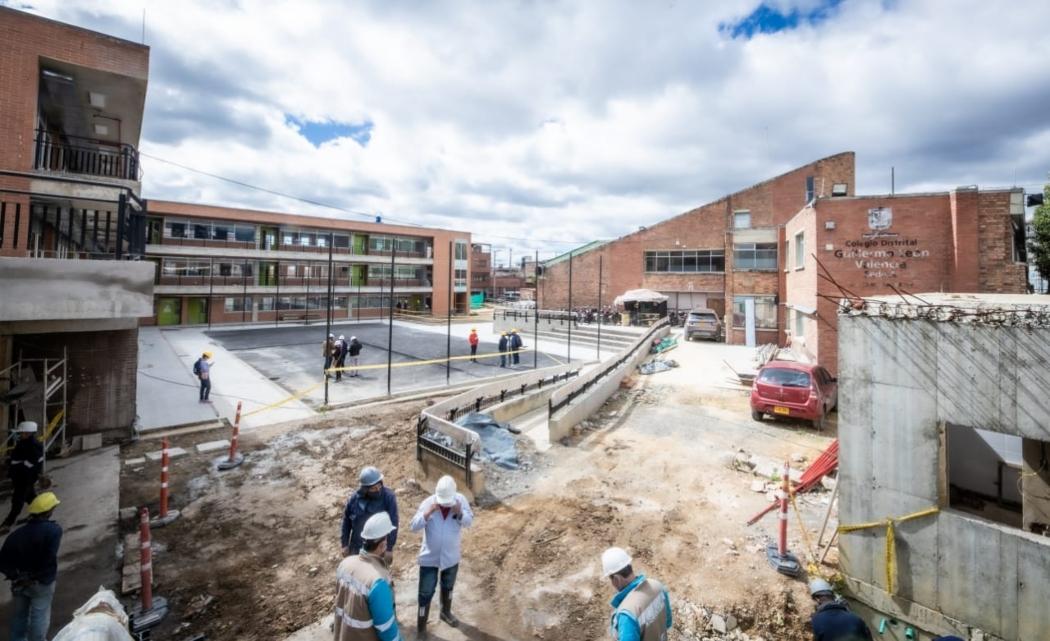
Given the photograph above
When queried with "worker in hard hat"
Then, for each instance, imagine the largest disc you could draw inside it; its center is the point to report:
(833, 620)
(364, 597)
(24, 465)
(504, 345)
(641, 607)
(328, 350)
(202, 370)
(473, 340)
(442, 518)
(515, 346)
(29, 560)
(371, 497)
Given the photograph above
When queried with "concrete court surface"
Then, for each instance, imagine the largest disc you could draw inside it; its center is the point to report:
(88, 487)
(291, 356)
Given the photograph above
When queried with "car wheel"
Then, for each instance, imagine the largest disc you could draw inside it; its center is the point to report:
(756, 415)
(818, 423)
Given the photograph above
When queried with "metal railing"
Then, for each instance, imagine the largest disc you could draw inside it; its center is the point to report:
(76, 155)
(595, 377)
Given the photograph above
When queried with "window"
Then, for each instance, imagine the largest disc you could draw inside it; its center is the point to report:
(839, 189)
(800, 324)
(461, 278)
(265, 303)
(341, 242)
(225, 269)
(742, 219)
(238, 304)
(289, 238)
(220, 232)
(765, 312)
(809, 188)
(984, 475)
(784, 377)
(306, 240)
(461, 250)
(176, 230)
(244, 234)
(707, 260)
(755, 256)
(201, 232)
(800, 250)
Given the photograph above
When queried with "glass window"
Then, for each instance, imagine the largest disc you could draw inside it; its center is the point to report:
(800, 326)
(765, 311)
(800, 250)
(176, 230)
(784, 377)
(809, 188)
(742, 219)
(201, 232)
(341, 242)
(461, 250)
(307, 240)
(225, 269)
(220, 232)
(244, 234)
(706, 260)
(755, 256)
(289, 238)
(265, 303)
(238, 304)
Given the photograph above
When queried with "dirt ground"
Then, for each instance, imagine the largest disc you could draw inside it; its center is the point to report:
(254, 554)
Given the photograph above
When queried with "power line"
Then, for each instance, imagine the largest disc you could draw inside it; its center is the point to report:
(318, 203)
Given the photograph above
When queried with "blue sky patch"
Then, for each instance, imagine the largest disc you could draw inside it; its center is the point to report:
(768, 19)
(319, 133)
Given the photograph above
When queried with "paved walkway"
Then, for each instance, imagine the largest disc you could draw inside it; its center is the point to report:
(169, 396)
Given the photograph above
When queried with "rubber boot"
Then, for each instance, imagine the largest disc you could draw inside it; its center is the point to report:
(421, 622)
(446, 609)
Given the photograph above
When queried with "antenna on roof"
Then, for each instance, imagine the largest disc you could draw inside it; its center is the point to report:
(892, 180)
(143, 25)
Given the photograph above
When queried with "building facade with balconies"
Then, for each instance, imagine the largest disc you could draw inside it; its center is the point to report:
(70, 117)
(220, 265)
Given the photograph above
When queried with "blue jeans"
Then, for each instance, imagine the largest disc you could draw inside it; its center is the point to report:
(428, 578)
(205, 388)
(32, 611)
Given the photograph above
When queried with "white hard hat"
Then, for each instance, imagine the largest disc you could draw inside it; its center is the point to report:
(446, 491)
(614, 560)
(820, 586)
(331, 336)
(353, 338)
(377, 527)
(341, 337)
(26, 426)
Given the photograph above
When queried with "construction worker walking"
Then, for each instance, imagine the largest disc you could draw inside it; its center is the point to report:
(833, 620)
(370, 498)
(23, 468)
(641, 607)
(473, 340)
(29, 560)
(364, 597)
(442, 518)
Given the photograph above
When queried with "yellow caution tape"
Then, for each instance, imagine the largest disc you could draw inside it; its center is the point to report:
(891, 540)
(431, 361)
(811, 566)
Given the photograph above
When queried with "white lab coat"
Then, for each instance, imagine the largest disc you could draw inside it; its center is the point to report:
(441, 535)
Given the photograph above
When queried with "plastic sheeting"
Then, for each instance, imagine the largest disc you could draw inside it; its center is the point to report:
(497, 442)
(102, 618)
(654, 367)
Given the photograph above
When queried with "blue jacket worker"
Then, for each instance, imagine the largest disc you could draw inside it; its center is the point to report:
(23, 468)
(641, 607)
(442, 518)
(29, 560)
(202, 370)
(504, 342)
(364, 597)
(833, 620)
(516, 344)
(372, 497)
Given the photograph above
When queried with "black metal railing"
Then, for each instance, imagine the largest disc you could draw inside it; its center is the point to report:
(644, 341)
(76, 155)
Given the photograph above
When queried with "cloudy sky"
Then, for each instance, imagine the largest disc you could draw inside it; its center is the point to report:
(538, 125)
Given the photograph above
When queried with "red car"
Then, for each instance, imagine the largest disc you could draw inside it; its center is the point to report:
(799, 390)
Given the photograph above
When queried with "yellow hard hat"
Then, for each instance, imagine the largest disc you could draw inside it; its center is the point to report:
(44, 502)
(473, 329)
(207, 354)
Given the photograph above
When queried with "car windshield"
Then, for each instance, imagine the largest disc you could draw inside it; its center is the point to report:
(705, 317)
(784, 377)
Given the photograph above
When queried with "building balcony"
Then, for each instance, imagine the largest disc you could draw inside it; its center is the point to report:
(85, 157)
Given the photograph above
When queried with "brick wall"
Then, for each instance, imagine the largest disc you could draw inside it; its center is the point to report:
(102, 375)
(997, 271)
(964, 234)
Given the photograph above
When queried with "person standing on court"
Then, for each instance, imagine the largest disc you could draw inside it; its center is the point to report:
(353, 350)
(202, 370)
(340, 349)
(29, 560)
(641, 607)
(442, 518)
(364, 596)
(371, 498)
(328, 351)
(515, 346)
(473, 340)
(24, 465)
(503, 343)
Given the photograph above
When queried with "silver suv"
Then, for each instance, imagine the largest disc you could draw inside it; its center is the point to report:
(703, 323)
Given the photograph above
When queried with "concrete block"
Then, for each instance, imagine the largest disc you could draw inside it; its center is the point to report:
(173, 452)
(134, 462)
(128, 513)
(91, 441)
(212, 446)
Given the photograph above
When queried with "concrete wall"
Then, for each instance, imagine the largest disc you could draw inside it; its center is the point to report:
(900, 381)
(560, 425)
(39, 289)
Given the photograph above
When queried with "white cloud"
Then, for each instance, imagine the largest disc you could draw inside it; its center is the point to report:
(571, 121)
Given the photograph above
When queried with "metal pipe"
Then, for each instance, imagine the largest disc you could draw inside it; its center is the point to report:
(599, 352)
(328, 317)
(390, 331)
(448, 331)
(536, 316)
(568, 344)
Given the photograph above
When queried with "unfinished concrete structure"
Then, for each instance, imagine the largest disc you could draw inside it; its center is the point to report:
(944, 405)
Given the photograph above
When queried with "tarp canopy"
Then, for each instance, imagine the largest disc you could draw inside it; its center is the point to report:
(639, 296)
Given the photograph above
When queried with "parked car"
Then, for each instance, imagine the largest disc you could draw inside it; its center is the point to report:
(799, 390)
(703, 323)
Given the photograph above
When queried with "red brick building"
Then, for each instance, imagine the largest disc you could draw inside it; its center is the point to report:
(963, 241)
(723, 255)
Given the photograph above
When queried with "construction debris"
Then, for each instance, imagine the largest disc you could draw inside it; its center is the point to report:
(667, 343)
(656, 366)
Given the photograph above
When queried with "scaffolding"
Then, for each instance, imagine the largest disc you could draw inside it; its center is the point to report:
(35, 389)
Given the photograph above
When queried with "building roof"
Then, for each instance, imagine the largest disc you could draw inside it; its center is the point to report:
(582, 249)
(193, 210)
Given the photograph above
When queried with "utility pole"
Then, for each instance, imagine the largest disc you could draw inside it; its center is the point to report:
(448, 329)
(390, 331)
(211, 286)
(568, 344)
(536, 315)
(328, 317)
(599, 356)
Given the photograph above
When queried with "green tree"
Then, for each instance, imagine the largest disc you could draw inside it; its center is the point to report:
(1040, 243)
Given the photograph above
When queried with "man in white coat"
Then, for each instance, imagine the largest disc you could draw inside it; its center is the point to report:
(442, 518)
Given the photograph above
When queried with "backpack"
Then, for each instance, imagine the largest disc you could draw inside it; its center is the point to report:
(197, 368)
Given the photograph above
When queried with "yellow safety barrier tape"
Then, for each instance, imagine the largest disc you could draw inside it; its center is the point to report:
(288, 399)
(811, 567)
(891, 541)
(431, 361)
